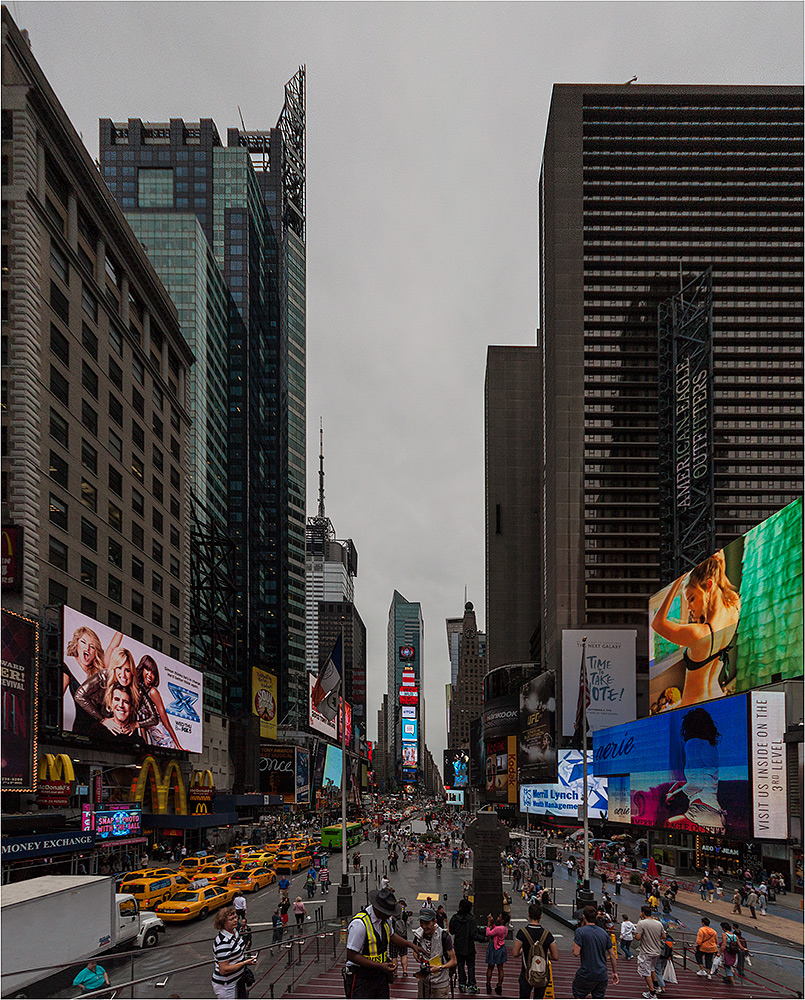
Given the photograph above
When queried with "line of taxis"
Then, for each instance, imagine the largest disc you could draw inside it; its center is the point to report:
(204, 883)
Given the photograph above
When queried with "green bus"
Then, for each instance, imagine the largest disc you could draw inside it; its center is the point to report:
(331, 836)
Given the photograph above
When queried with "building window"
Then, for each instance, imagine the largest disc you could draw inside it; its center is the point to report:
(115, 373)
(115, 589)
(175, 507)
(175, 449)
(138, 468)
(59, 303)
(57, 593)
(60, 345)
(156, 642)
(137, 569)
(138, 370)
(156, 425)
(58, 512)
(89, 379)
(137, 632)
(89, 417)
(116, 445)
(115, 481)
(59, 430)
(174, 596)
(158, 461)
(90, 341)
(157, 396)
(156, 552)
(175, 481)
(157, 520)
(174, 566)
(115, 409)
(156, 615)
(137, 502)
(155, 187)
(89, 303)
(89, 573)
(89, 534)
(137, 435)
(59, 386)
(57, 554)
(115, 517)
(138, 535)
(115, 553)
(89, 607)
(174, 625)
(156, 489)
(156, 583)
(89, 456)
(114, 620)
(136, 602)
(59, 264)
(116, 340)
(175, 652)
(58, 469)
(89, 495)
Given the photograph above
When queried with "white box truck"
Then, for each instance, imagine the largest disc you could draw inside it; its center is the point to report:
(61, 919)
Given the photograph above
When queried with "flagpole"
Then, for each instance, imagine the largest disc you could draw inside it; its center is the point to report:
(584, 813)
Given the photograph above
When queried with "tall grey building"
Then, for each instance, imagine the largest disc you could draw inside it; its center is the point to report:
(512, 414)
(404, 653)
(638, 185)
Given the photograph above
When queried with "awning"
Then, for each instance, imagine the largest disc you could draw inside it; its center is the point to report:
(201, 821)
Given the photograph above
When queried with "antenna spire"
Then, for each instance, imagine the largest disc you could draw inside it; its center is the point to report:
(321, 468)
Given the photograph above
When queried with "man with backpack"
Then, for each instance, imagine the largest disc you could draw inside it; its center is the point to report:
(438, 956)
(537, 947)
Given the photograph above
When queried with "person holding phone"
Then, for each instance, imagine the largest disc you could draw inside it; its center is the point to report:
(229, 955)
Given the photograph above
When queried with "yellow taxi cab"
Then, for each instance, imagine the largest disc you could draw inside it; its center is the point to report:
(235, 854)
(216, 874)
(142, 873)
(251, 879)
(273, 846)
(196, 901)
(189, 866)
(149, 891)
(292, 861)
(263, 858)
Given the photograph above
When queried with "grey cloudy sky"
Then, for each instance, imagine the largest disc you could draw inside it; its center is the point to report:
(425, 125)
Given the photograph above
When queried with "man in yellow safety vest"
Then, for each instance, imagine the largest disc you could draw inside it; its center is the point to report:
(369, 969)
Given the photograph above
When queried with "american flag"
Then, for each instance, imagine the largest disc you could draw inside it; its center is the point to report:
(584, 695)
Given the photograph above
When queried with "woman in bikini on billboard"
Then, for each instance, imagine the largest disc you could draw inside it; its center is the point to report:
(713, 609)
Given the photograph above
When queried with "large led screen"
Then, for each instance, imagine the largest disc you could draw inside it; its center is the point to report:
(332, 767)
(734, 622)
(537, 743)
(19, 644)
(685, 770)
(456, 768)
(120, 689)
(564, 798)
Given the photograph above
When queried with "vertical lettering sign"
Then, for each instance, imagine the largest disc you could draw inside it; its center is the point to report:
(769, 773)
(20, 638)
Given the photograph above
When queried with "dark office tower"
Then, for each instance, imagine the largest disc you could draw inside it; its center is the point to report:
(341, 618)
(512, 447)
(641, 188)
(167, 172)
(278, 157)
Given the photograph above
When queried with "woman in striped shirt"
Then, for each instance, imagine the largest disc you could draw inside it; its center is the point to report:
(229, 952)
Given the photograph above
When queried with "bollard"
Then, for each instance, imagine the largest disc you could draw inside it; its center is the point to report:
(317, 948)
(271, 990)
(290, 954)
(299, 960)
(684, 956)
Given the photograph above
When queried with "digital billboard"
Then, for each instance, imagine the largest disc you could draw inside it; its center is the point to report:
(316, 720)
(537, 758)
(684, 770)
(20, 639)
(565, 797)
(611, 676)
(332, 767)
(302, 776)
(409, 730)
(454, 797)
(116, 688)
(456, 769)
(112, 821)
(734, 622)
(497, 769)
(409, 755)
(277, 767)
(264, 702)
(408, 711)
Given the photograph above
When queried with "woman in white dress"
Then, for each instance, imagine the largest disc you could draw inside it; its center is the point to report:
(84, 657)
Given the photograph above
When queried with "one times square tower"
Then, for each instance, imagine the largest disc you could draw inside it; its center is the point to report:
(248, 199)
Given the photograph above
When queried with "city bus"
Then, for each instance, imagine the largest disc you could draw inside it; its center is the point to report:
(331, 836)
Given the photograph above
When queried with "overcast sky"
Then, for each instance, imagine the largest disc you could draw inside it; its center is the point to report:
(425, 125)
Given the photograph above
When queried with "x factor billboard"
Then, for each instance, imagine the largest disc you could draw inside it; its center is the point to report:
(734, 622)
(119, 689)
(715, 769)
